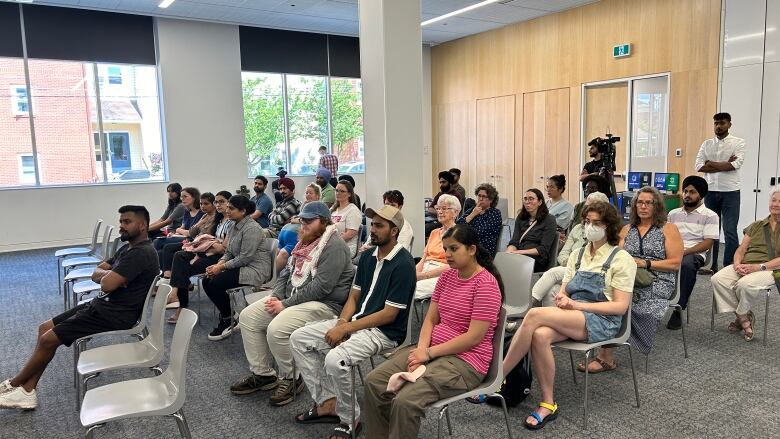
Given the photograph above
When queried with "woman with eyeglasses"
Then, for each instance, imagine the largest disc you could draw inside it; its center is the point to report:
(655, 245)
(346, 215)
(535, 231)
(484, 218)
(434, 259)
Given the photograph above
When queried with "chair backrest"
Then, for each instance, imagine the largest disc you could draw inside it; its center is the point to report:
(145, 312)
(274, 268)
(157, 324)
(496, 370)
(176, 375)
(625, 326)
(552, 261)
(516, 272)
(95, 233)
(105, 246)
(358, 244)
(503, 207)
(115, 245)
(411, 244)
(676, 298)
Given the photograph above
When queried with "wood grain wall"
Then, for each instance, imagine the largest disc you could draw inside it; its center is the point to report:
(565, 50)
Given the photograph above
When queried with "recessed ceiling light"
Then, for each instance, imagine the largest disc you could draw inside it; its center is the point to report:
(458, 12)
(165, 3)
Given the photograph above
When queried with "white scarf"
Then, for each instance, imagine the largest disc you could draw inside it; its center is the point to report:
(298, 278)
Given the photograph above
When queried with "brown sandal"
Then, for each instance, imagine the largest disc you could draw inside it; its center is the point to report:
(747, 332)
(605, 367)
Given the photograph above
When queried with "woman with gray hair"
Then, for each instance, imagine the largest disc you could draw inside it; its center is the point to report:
(434, 260)
(484, 218)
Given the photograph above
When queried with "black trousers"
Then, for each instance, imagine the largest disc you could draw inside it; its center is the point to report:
(181, 270)
(166, 260)
(217, 286)
(690, 266)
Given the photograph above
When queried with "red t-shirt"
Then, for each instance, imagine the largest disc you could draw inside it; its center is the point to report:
(461, 301)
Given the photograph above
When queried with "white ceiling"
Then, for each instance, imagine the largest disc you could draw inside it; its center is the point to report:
(338, 17)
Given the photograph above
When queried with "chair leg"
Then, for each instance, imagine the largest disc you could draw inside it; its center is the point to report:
(371, 360)
(688, 314)
(585, 398)
(685, 342)
(181, 422)
(156, 369)
(712, 315)
(59, 275)
(647, 361)
(447, 417)
(91, 430)
(82, 389)
(506, 414)
(360, 375)
(573, 369)
(766, 314)
(354, 399)
(633, 373)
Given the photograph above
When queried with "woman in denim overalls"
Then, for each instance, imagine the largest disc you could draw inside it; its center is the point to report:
(595, 294)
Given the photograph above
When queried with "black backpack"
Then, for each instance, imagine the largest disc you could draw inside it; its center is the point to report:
(517, 384)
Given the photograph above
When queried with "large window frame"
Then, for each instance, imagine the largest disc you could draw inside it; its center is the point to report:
(288, 140)
(19, 98)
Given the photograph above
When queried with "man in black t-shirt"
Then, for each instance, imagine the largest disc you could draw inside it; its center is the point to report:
(124, 283)
(593, 167)
(374, 319)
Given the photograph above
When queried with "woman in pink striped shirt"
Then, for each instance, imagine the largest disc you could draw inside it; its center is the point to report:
(455, 342)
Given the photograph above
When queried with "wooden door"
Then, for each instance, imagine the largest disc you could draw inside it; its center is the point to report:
(486, 138)
(504, 149)
(606, 110)
(556, 152)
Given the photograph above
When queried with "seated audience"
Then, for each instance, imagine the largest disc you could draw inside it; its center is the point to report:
(458, 188)
(327, 192)
(204, 252)
(592, 183)
(446, 181)
(535, 231)
(396, 199)
(280, 173)
(738, 286)
(348, 178)
(373, 320)
(313, 287)
(484, 218)
(173, 214)
(434, 259)
(288, 236)
(656, 246)
(243, 264)
(558, 207)
(591, 303)
(263, 203)
(284, 210)
(455, 344)
(699, 228)
(124, 281)
(190, 199)
(206, 225)
(346, 215)
(550, 283)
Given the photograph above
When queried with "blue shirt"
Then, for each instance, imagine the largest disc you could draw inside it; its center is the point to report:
(263, 204)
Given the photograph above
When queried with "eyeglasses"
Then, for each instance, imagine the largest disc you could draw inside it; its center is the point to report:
(645, 203)
(483, 197)
(342, 191)
(442, 209)
(529, 199)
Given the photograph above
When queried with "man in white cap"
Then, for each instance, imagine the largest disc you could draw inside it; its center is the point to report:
(374, 319)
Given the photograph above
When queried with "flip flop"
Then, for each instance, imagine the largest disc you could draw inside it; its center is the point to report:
(311, 417)
(605, 367)
(541, 422)
(344, 431)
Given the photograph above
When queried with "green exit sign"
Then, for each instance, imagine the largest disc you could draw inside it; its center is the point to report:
(621, 50)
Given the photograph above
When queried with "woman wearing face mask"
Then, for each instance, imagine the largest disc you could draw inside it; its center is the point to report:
(590, 305)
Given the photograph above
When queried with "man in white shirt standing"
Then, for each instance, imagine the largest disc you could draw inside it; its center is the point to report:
(719, 159)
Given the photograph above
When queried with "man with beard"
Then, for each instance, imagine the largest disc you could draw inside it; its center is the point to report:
(698, 227)
(327, 191)
(593, 167)
(446, 186)
(284, 210)
(312, 287)
(456, 186)
(124, 283)
(263, 204)
(373, 320)
(720, 159)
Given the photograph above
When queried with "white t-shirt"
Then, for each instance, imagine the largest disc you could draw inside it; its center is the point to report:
(348, 218)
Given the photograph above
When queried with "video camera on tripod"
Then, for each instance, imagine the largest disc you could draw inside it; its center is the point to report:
(606, 147)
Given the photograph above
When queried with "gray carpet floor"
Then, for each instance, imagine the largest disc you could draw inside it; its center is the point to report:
(726, 388)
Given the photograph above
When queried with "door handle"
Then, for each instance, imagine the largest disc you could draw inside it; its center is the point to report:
(772, 181)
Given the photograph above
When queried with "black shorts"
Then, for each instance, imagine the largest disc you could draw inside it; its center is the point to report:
(82, 321)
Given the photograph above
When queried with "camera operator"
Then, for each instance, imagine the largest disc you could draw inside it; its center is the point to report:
(595, 166)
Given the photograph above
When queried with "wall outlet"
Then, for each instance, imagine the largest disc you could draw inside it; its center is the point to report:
(678, 152)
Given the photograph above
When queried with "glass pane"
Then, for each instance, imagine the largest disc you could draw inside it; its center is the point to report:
(263, 123)
(131, 123)
(346, 98)
(15, 138)
(649, 117)
(64, 108)
(308, 121)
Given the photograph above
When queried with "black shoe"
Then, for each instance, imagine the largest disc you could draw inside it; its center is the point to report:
(253, 383)
(286, 391)
(223, 330)
(675, 321)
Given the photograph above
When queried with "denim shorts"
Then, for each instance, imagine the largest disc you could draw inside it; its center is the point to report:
(601, 327)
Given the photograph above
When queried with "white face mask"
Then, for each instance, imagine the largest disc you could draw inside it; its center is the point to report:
(593, 233)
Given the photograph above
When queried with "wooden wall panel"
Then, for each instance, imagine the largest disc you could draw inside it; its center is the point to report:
(486, 140)
(504, 153)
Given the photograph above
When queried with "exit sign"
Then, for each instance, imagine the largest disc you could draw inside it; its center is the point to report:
(621, 50)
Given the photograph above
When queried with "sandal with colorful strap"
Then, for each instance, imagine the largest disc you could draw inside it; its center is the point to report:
(541, 422)
(747, 331)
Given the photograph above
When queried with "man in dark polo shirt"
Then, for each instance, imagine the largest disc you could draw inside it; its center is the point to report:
(124, 282)
(374, 319)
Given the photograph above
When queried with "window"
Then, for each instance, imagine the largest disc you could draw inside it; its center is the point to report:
(288, 117)
(114, 75)
(649, 124)
(19, 101)
(26, 169)
(15, 137)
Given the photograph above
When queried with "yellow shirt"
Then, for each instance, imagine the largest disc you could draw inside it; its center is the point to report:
(620, 274)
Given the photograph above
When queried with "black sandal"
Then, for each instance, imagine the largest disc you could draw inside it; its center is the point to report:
(541, 422)
(344, 431)
(311, 417)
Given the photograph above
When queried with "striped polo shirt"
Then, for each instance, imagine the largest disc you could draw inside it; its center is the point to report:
(460, 301)
(696, 226)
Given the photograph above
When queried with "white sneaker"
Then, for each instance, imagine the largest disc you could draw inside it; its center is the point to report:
(5, 386)
(18, 398)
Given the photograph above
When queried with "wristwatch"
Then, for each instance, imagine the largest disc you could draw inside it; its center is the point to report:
(762, 267)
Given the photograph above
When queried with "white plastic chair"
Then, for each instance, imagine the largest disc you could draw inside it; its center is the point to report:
(77, 251)
(79, 278)
(768, 290)
(674, 303)
(162, 395)
(71, 263)
(587, 348)
(490, 385)
(517, 273)
(244, 290)
(135, 355)
(139, 330)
